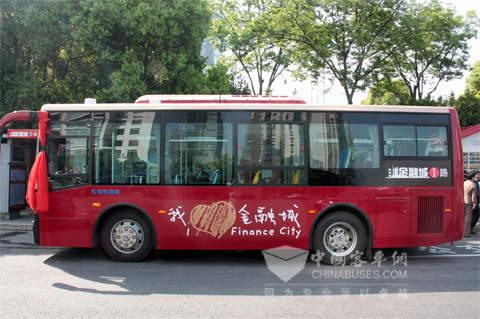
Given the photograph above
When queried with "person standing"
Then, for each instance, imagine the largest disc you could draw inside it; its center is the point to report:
(470, 199)
(476, 210)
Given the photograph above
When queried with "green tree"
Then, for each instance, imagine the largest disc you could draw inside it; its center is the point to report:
(220, 80)
(430, 45)
(37, 51)
(468, 108)
(346, 37)
(238, 85)
(468, 104)
(146, 46)
(241, 30)
(63, 51)
(387, 92)
(473, 81)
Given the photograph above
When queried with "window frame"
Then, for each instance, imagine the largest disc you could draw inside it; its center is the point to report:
(302, 168)
(117, 142)
(89, 148)
(417, 156)
(167, 120)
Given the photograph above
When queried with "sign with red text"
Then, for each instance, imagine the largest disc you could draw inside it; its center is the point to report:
(22, 133)
(418, 173)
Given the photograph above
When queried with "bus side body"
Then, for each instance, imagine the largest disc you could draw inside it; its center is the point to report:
(394, 179)
(72, 217)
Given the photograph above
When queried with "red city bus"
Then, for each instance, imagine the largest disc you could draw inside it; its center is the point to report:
(172, 172)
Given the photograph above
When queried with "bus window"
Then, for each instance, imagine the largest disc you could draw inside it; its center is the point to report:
(271, 153)
(344, 148)
(399, 140)
(82, 129)
(432, 141)
(56, 156)
(364, 142)
(402, 140)
(198, 149)
(283, 176)
(67, 161)
(127, 148)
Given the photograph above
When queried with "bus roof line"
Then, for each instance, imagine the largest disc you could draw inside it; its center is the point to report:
(241, 107)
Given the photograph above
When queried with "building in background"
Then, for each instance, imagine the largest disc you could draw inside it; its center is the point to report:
(471, 147)
(207, 49)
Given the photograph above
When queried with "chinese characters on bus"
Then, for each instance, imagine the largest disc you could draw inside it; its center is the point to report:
(416, 172)
(218, 219)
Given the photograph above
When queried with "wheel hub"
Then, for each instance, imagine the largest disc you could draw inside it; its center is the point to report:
(340, 239)
(127, 236)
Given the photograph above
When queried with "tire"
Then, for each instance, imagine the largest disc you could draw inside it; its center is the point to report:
(127, 236)
(339, 236)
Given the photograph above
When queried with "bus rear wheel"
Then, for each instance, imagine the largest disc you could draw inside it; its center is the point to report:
(127, 236)
(339, 236)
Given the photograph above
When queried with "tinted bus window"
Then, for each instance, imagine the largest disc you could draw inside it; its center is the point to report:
(127, 148)
(67, 160)
(341, 151)
(271, 153)
(432, 141)
(82, 129)
(399, 140)
(198, 149)
(68, 154)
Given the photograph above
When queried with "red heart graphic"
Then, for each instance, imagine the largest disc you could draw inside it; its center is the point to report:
(215, 219)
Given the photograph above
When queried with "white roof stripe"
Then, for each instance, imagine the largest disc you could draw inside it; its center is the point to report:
(242, 107)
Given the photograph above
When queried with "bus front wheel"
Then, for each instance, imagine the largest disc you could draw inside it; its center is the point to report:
(340, 238)
(126, 236)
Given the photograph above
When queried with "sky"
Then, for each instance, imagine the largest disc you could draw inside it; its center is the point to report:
(313, 94)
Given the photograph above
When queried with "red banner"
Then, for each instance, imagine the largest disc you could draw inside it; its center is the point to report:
(22, 133)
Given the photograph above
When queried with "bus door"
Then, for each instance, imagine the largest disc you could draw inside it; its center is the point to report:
(393, 222)
(69, 166)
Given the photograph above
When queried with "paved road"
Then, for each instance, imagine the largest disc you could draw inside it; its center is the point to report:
(431, 282)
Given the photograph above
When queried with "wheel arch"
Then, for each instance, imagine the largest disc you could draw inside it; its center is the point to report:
(349, 208)
(112, 209)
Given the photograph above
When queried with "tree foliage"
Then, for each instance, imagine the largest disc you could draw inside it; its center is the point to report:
(395, 92)
(387, 92)
(346, 37)
(429, 45)
(468, 108)
(360, 42)
(146, 44)
(37, 51)
(63, 51)
(242, 31)
(473, 81)
(468, 104)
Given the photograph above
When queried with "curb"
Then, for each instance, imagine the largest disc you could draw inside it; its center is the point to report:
(17, 226)
(23, 223)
